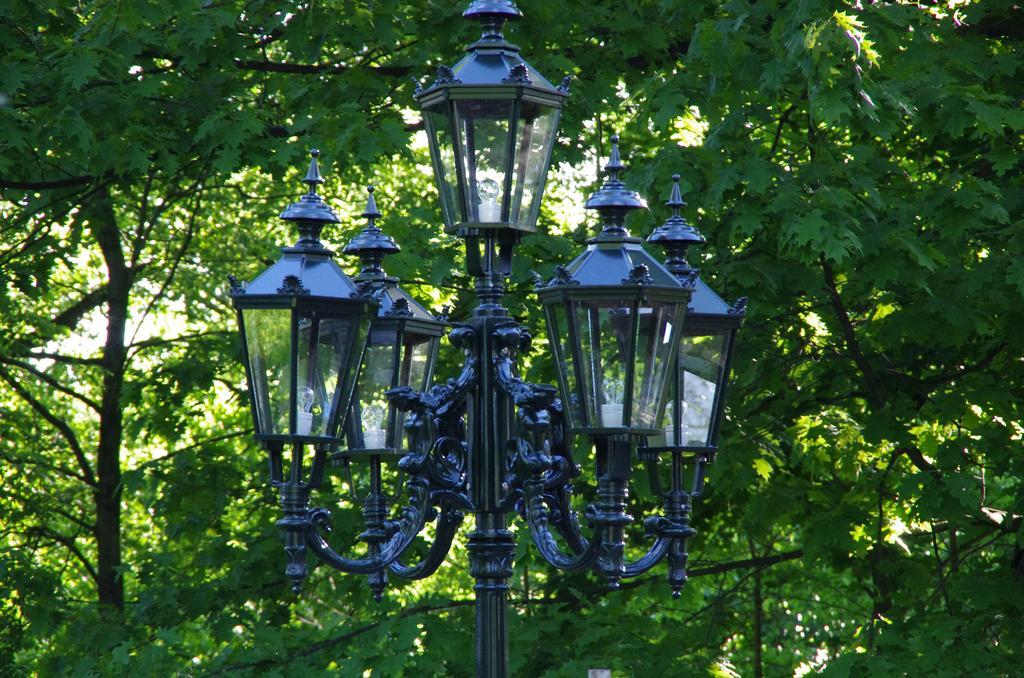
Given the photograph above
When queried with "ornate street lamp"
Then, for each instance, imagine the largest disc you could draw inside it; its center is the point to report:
(700, 370)
(401, 349)
(400, 353)
(613, 317)
(303, 324)
(491, 121)
(486, 442)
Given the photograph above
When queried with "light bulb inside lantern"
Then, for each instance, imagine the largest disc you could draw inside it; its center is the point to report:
(488, 210)
(611, 410)
(374, 436)
(304, 416)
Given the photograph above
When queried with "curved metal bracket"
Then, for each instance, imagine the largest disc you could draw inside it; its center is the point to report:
(448, 523)
(403, 532)
(537, 519)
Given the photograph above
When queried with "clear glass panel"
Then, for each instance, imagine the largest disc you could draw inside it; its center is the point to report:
(655, 329)
(268, 336)
(484, 130)
(703, 363)
(440, 126)
(324, 344)
(535, 132)
(559, 333)
(415, 360)
(371, 408)
(416, 354)
(603, 335)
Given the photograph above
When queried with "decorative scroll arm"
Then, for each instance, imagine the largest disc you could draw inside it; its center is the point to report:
(537, 516)
(403, 532)
(448, 523)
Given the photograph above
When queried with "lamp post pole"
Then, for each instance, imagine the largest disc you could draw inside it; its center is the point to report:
(491, 547)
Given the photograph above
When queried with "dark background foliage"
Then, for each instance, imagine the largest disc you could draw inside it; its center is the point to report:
(856, 167)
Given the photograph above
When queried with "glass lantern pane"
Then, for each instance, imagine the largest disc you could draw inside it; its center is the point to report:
(439, 125)
(603, 336)
(535, 133)
(559, 333)
(268, 336)
(484, 130)
(702, 360)
(377, 376)
(415, 361)
(657, 323)
(324, 345)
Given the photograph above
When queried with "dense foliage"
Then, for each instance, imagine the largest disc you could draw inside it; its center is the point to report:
(856, 167)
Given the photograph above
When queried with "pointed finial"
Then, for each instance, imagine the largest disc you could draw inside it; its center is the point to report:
(676, 201)
(614, 200)
(313, 178)
(371, 213)
(676, 235)
(614, 165)
(371, 244)
(310, 214)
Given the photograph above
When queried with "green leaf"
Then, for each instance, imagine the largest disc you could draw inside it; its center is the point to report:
(763, 468)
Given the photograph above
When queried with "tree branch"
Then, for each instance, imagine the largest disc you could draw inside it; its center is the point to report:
(194, 446)
(69, 544)
(62, 426)
(46, 185)
(50, 381)
(315, 69)
(778, 130)
(762, 562)
(874, 388)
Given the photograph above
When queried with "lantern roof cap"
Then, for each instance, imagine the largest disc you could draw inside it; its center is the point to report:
(371, 244)
(311, 207)
(614, 200)
(492, 61)
(310, 213)
(676, 235)
(676, 230)
(493, 8)
(307, 268)
(614, 195)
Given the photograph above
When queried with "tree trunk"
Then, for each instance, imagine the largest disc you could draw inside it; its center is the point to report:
(103, 224)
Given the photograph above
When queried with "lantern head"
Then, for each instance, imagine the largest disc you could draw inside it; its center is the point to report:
(304, 325)
(614, 316)
(491, 122)
(401, 349)
(700, 373)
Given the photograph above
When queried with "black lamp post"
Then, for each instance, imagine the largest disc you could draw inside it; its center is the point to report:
(491, 121)
(401, 348)
(700, 370)
(304, 325)
(486, 442)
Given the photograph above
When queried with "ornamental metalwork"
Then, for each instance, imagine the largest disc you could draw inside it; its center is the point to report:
(486, 443)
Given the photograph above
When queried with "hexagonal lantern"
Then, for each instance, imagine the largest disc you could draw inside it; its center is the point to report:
(614, 317)
(401, 349)
(491, 122)
(304, 325)
(701, 369)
